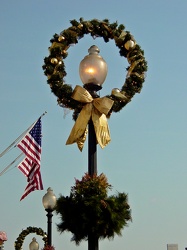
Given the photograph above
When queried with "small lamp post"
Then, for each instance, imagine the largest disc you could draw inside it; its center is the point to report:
(92, 71)
(49, 203)
(34, 245)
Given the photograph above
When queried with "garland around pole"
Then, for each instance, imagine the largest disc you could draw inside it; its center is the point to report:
(97, 213)
(54, 67)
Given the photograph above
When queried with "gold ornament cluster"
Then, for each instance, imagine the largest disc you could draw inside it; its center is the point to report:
(54, 67)
(20, 240)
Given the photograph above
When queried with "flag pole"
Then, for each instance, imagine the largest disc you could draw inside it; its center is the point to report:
(5, 169)
(19, 137)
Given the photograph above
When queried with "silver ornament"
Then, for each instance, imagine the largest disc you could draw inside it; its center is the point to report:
(117, 93)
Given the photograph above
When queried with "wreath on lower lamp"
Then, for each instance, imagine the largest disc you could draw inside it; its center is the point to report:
(96, 213)
(19, 241)
(54, 67)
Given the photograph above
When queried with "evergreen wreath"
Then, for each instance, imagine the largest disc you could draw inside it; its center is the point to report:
(54, 67)
(19, 241)
(96, 212)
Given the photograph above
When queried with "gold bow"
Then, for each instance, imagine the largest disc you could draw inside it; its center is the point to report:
(95, 109)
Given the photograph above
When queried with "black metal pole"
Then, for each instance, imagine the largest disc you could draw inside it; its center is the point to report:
(93, 242)
(92, 150)
(49, 226)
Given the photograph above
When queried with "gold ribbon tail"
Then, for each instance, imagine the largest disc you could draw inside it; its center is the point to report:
(101, 108)
(79, 129)
(101, 128)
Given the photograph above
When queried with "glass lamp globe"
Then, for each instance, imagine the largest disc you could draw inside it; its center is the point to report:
(93, 68)
(34, 245)
(49, 199)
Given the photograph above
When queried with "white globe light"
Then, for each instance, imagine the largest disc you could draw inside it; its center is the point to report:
(49, 199)
(93, 68)
(34, 245)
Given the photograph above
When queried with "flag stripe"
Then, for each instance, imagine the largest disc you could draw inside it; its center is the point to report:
(25, 166)
(32, 142)
(34, 170)
(29, 148)
(28, 145)
(35, 184)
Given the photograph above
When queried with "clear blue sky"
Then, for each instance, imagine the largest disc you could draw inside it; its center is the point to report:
(147, 157)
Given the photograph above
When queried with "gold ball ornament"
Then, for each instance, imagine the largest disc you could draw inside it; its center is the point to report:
(129, 44)
(117, 93)
(64, 52)
(61, 38)
(54, 60)
(80, 26)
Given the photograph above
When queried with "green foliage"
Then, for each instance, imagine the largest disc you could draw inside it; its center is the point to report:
(55, 70)
(89, 209)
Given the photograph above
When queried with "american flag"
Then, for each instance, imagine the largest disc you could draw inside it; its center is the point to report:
(30, 166)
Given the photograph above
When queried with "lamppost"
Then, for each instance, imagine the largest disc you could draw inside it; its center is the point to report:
(49, 203)
(93, 71)
(34, 245)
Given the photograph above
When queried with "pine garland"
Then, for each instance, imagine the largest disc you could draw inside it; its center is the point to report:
(54, 67)
(88, 209)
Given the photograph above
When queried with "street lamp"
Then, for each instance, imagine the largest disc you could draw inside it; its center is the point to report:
(93, 71)
(49, 203)
(34, 245)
